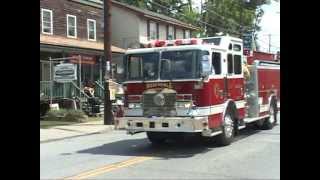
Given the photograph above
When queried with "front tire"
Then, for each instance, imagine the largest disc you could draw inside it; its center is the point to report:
(227, 135)
(156, 137)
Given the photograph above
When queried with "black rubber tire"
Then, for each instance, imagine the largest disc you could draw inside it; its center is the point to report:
(259, 124)
(156, 137)
(267, 123)
(223, 139)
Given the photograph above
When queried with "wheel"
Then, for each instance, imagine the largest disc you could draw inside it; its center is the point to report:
(227, 130)
(271, 121)
(156, 137)
(259, 124)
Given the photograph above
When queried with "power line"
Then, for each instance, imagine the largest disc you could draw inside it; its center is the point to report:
(217, 14)
(269, 34)
(229, 19)
(267, 43)
(200, 21)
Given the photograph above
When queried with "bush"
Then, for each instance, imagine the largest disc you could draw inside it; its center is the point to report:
(76, 116)
(66, 115)
(55, 115)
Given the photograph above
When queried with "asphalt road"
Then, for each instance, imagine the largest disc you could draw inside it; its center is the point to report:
(255, 154)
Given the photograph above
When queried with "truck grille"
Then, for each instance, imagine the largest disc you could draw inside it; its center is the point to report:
(152, 108)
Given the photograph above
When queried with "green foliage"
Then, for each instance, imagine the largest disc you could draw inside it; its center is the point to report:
(53, 115)
(232, 16)
(66, 115)
(75, 116)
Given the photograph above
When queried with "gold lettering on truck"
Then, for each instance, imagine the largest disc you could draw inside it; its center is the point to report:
(159, 85)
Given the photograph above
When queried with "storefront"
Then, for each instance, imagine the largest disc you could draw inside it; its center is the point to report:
(91, 69)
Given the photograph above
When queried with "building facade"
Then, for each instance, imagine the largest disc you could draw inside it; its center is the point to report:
(133, 27)
(71, 28)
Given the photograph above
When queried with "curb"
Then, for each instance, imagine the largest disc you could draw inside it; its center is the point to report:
(86, 134)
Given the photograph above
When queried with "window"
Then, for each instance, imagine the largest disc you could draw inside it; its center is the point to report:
(91, 28)
(216, 62)
(134, 67)
(237, 47)
(153, 30)
(187, 34)
(230, 46)
(205, 62)
(230, 64)
(234, 64)
(179, 64)
(170, 33)
(214, 41)
(71, 26)
(143, 66)
(47, 24)
(237, 64)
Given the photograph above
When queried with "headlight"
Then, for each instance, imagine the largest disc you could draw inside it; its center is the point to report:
(184, 105)
(131, 105)
(187, 105)
(134, 105)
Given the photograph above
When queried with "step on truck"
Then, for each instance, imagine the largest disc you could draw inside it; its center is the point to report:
(198, 86)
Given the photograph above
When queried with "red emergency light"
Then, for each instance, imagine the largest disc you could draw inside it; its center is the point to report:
(194, 41)
(159, 43)
(178, 42)
(186, 42)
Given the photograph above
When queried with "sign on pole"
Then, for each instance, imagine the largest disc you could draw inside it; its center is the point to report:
(64, 73)
(247, 41)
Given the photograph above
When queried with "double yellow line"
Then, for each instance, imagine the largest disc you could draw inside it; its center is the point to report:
(110, 167)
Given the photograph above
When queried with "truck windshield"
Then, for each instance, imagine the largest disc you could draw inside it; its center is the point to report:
(143, 66)
(179, 64)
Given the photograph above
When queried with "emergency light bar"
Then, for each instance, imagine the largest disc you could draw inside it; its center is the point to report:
(178, 42)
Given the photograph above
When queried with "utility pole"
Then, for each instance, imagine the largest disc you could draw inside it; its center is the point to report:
(108, 115)
(269, 42)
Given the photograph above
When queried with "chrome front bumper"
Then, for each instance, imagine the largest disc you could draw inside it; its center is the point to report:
(165, 124)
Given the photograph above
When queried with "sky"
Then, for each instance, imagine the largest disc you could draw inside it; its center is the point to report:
(270, 24)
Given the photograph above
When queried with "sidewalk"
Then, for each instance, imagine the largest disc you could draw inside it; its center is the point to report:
(74, 130)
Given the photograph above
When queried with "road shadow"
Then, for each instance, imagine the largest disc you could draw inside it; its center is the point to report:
(175, 148)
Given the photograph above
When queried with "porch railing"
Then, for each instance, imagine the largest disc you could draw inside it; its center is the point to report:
(99, 89)
(66, 90)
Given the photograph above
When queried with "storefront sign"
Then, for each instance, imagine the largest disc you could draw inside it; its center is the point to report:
(85, 59)
(65, 73)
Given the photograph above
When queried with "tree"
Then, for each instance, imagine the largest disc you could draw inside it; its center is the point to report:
(168, 7)
(232, 16)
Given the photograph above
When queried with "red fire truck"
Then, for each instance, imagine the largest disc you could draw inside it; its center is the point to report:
(198, 86)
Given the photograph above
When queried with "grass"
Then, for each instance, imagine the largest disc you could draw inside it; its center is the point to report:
(50, 124)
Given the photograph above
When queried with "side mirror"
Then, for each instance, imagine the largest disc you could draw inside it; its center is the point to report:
(205, 68)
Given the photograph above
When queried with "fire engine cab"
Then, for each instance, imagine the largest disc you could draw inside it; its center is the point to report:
(198, 86)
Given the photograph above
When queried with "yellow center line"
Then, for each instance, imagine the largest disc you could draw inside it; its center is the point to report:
(110, 167)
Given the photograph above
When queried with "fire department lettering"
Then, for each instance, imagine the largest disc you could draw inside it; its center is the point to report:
(159, 85)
